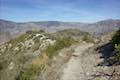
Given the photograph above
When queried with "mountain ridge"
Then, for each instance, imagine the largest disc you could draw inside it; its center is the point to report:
(96, 29)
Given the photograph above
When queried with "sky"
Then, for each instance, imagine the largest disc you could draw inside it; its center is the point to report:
(59, 10)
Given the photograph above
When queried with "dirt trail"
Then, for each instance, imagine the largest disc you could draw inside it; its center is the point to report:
(82, 64)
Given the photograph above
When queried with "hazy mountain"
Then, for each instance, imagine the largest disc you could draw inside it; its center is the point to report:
(103, 27)
(9, 29)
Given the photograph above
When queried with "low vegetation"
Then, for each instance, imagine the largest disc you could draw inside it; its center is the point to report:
(75, 34)
(27, 47)
(60, 43)
(30, 72)
(116, 44)
(87, 37)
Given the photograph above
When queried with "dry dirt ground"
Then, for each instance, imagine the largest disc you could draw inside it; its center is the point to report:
(83, 65)
(79, 62)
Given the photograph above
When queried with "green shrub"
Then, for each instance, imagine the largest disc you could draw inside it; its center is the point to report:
(21, 38)
(30, 72)
(116, 38)
(61, 43)
(35, 31)
(118, 47)
(117, 57)
(87, 37)
(116, 44)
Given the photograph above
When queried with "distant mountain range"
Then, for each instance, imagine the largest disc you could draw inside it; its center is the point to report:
(9, 29)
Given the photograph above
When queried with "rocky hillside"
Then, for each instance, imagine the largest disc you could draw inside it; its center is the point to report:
(69, 54)
(30, 48)
(52, 50)
(17, 53)
(10, 29)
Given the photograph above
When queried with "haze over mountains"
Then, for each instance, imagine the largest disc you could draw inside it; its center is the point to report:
(9, 29)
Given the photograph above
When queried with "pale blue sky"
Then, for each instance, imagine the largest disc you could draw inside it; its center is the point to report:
(59, 10)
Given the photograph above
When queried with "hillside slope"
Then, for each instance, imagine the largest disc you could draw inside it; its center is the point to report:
(14, 29)
(23, 51)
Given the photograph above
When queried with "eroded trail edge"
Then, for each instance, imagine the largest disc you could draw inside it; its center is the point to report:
(73, 70)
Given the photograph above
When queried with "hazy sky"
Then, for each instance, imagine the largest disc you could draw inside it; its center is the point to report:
(60, 10)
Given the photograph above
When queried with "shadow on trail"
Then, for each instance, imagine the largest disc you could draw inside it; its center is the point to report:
(107, 52)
